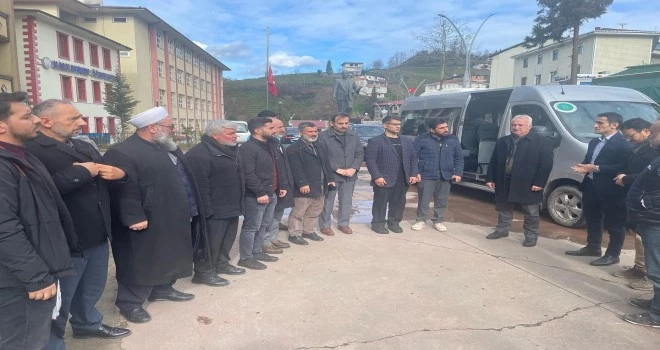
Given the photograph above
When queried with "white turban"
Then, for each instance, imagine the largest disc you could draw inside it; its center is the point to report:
(148, 117)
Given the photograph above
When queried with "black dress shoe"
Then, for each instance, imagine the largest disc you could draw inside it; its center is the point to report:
(395, 228)
(228, 269)
(298, 240)
(171, 295)
(210, 280)
(380, 230)
(313, 236)
(585, 251)
(265, 257)
(252, 264)
(605, 260)
(497, 235)
(529, 242)
(104, 331)
(137, 315)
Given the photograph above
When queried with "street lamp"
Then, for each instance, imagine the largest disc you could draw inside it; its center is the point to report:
(467, 76)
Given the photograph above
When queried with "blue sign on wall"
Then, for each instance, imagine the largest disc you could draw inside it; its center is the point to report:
(66, 67)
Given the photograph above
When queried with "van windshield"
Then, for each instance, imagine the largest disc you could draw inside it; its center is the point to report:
(579, 117)
(241, 128)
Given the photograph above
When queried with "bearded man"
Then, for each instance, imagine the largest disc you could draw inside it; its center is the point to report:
(152, 216)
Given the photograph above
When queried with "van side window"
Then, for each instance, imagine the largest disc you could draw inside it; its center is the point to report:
(539, 116)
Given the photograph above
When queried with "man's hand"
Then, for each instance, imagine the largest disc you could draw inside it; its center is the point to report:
(349, 172)
(536, 188)
(380, 182)
(139, 226)
(341, 172)
(456, 178)
(108, 172)
(44, 294)
(412, 180)
(619, 179)
(584, 168)
(263, 200)
(304, 189)
(282, 193)
(490, 185)
(90, 166)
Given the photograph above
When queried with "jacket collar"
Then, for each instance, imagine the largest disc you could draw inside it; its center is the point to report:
(47, 141)
(305, 147)
(214, 146)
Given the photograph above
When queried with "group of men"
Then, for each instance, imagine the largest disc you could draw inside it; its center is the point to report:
(169, 215)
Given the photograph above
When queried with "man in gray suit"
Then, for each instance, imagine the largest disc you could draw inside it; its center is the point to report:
(345, 153)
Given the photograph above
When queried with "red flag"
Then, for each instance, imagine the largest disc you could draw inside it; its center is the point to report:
(271, 82)
(411, 90)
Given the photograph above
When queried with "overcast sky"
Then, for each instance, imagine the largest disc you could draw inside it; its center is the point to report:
(305, 34)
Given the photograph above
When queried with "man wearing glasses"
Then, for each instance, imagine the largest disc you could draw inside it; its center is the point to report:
(393, 167)
(152, 216)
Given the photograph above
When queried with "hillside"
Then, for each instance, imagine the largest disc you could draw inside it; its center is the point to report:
(309, 95)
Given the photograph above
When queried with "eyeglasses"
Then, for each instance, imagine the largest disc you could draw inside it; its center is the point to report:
(167, 126)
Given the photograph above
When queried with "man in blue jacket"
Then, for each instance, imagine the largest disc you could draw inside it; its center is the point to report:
(440, 161)
(393, 167)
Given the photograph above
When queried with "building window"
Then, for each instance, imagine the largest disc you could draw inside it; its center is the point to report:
(94, 55)
(202, 63)
(81, 89)
(108, 91)
(119, 20)
(172, 73)
(208, 86)
(553, 74)
(188, 54)
(202, 105)
(172, 97)
(98, 123)
(189, 104)
(170, 46)
(195, 82)
(96, 91)
(180, 101)
(523, 81)
(161, 68)
(539, 59)
(197, 104)
(78, 52)
(67, 88)
(208, 106)
(159, 40)
(161, 97)
(555, 54)
(188, 79)
(63, 46)
(179, 51)
(107, 63)
(179, 76)
(525, 62)
(580, 49)
(112, 127)
(89, 19)
(85, 128)
(537, 79)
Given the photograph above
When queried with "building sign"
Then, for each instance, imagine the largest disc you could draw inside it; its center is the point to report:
(66, 67)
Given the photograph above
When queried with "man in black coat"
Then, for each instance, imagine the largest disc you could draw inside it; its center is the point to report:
(37, 236)
(155, 216)
(81, 179)
(637, 131)
(603, 201)
(519, 169)
(313, 177)
(214, 163)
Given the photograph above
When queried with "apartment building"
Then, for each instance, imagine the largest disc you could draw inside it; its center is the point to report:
(600, 52)
(9, 80)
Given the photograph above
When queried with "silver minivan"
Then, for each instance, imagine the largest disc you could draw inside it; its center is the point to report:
(563, 113)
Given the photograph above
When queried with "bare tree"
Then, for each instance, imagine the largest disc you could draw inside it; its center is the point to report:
(397, 59)
(441, 39)
(377, 64)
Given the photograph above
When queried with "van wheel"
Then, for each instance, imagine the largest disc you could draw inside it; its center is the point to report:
(565, 206)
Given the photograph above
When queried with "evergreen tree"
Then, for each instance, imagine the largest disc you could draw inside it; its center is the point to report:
(328, 68)
(556, 17)
(119, 102)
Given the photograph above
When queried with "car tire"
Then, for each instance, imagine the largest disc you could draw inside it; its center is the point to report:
(565, 206)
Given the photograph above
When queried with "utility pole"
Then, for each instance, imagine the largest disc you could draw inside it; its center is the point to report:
(267, 63)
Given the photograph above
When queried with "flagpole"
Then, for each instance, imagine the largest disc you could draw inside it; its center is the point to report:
(267, 64)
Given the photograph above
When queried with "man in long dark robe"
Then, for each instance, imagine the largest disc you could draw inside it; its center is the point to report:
(152, 215)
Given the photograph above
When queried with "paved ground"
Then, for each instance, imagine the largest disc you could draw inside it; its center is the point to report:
(414, 290)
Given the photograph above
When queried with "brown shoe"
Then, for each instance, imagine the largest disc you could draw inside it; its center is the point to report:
(279, 244)
(327, 231)
(345, 229)
(270, 249)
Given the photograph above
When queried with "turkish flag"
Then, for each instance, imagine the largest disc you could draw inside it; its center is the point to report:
(411, 90)
(271, 82)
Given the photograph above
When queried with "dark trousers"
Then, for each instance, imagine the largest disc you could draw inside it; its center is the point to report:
(603, 210)
(256, 221)
(24, 323)
(80, 293)
(132, 296)
(393, 197)
(651, 239)
(505, 217)
(222, 234)
(438, 190)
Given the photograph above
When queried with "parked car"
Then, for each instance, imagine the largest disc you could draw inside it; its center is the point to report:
(367, 131)
(242, 132)
(291, 136)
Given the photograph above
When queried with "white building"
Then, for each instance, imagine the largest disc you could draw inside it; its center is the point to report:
(67, 62)
(367, 84)
(602, 51)
(352, 68)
